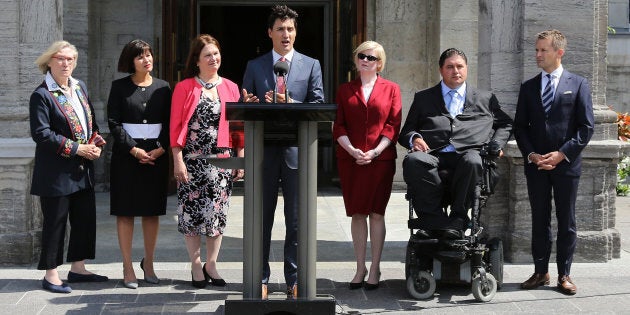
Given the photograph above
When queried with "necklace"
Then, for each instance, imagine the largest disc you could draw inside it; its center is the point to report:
(206, 85)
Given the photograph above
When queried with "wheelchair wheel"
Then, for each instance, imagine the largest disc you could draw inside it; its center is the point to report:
(421, 285)
(496, 260)
(484, 289)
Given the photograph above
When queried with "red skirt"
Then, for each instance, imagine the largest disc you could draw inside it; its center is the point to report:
(366, 188)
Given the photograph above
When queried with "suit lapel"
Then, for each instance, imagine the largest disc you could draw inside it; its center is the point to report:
(296, 67)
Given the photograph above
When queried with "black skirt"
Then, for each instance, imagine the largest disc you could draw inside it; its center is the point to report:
(138, 189)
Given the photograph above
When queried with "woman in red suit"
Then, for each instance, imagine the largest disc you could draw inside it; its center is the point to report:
(367, 127)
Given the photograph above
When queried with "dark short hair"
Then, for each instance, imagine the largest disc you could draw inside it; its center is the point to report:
(196, 46)
(132, 50)
(450, 53)
(283, 13)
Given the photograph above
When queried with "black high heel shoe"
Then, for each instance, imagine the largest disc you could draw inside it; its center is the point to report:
(357, 285)
(200, 284)
(373, 286)
(214, 281)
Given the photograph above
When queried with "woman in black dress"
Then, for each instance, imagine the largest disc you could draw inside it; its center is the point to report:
(139, 112)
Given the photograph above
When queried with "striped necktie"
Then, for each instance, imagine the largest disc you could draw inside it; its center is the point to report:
(547, 96)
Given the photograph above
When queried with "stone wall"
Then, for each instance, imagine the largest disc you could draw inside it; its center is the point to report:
(22, 42)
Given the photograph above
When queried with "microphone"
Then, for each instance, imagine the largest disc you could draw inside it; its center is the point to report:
(281, 68)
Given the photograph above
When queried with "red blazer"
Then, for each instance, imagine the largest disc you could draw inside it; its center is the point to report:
(183, 105)
(365, 123)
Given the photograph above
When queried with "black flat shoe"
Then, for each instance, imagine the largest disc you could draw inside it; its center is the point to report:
(199, 284)
(77, 277)
(217, 282)
(55, 288)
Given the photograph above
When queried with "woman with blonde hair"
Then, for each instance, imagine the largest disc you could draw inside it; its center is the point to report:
(67, 140)
(367, 128)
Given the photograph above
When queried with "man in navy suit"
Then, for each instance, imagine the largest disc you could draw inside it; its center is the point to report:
(446, 126)
(552, 125)
(304, 85)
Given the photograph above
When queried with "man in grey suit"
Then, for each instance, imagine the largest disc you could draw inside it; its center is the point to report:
(553, 123)
(303, 84)
(446, 126)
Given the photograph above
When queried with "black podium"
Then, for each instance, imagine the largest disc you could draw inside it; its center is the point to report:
(282, 120)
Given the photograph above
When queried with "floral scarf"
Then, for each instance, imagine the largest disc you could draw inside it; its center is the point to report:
(64, 105)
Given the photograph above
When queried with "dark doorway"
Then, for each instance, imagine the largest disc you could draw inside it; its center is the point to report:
(242, 33)
(327, 30)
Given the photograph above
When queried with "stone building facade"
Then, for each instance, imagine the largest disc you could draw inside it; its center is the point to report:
(497, 36)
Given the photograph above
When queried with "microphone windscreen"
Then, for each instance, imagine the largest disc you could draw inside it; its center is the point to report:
(281, 68)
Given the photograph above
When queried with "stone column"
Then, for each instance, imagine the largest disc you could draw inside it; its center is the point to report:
(598, 240)
(22, 42)
(407, 30)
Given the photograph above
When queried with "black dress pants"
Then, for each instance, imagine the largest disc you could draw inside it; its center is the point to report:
(421, 173)
(80, 209)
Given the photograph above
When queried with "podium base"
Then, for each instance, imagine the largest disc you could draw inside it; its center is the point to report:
(236, 304)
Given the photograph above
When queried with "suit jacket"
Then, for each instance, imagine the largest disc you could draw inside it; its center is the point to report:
(482, 120)
(57, 132)
(365, 122)
(567, 127)
(304, 84)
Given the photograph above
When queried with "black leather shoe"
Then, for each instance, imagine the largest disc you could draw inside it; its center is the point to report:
(199, 284)
(423, 234)
(217, 282)
(357, 285)
(55, 288)
(77, 277)
(451, 234)
(373, 286)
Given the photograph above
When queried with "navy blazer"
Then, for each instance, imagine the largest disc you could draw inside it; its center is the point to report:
(59, 170)
(303, 82)
(567, 127)
(481, 120)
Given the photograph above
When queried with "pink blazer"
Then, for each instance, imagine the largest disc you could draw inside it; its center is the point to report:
(185, 99)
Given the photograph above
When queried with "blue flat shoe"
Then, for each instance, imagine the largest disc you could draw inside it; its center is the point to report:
(77, 277)
(63, 288)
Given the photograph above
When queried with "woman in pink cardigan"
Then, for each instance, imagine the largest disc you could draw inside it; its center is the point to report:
(199, 127)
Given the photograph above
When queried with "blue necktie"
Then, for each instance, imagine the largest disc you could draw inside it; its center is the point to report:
(452, 105)
(547, 97)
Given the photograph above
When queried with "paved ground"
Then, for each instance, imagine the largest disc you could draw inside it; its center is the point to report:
(604, 288)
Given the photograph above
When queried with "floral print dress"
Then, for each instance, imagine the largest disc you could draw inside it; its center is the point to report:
(203, 201)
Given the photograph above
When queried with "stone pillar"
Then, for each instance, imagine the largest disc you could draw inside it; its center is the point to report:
(406, 29)
(598, 240)
(22, 42)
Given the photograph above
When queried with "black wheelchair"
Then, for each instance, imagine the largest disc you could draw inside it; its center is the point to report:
(470, 259)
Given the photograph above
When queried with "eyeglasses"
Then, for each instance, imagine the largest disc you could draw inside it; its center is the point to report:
(367, 57)
(69, 60)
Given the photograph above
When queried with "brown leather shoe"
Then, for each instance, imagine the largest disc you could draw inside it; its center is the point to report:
(566, 285)
(264, 292)
(292, 292)
(536, 280)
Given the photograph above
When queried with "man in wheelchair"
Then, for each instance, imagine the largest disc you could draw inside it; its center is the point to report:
(445, 129)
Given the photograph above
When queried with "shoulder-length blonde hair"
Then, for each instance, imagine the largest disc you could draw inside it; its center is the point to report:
(378, 51)
(43, 60)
